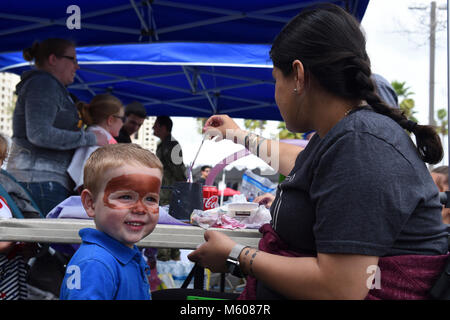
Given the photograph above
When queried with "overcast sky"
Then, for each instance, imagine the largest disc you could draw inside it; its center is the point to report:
(398, 46)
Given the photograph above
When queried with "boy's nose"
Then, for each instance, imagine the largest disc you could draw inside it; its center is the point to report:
(139, 208)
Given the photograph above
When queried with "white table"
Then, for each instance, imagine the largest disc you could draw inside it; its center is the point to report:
(66, 231)
(164, 236)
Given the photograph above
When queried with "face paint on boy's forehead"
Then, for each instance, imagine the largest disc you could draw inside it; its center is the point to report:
(142, 184)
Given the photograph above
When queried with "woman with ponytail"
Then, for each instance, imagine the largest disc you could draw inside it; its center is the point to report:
(46, 128)
(105, 115)
(358, 215)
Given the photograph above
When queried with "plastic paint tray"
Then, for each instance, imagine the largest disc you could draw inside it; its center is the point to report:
(242, 210)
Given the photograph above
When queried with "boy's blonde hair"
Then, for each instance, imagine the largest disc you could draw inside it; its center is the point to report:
(99, 109)
(3, 148)
(114, 156)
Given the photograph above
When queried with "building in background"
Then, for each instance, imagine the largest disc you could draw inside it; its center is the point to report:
(144, 137)
(8, 82)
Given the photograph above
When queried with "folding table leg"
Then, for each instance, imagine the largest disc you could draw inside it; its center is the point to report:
(199, 277)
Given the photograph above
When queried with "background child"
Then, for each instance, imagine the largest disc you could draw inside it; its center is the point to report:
(104, 114)
(12, 264)
(122, 184)
(440, 178)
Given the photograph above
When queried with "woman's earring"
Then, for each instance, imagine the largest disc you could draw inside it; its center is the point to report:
(295, 89)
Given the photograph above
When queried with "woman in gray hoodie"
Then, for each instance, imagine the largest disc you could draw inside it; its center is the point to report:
(46, 124)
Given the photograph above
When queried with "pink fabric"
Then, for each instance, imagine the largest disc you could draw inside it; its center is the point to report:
(408, 277)
(112, 141)
(227, 222)
(402, 277)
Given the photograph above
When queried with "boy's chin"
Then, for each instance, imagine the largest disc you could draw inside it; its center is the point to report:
(147, 232)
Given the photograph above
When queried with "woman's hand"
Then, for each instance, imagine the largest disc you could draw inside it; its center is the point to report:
(221, 126)
(102, 139)
(6, 246)
(214, 252)
(265, 199)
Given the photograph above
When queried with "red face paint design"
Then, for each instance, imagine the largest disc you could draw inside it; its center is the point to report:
(138, 192)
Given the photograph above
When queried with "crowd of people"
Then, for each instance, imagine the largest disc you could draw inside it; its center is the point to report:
(358, 196)
(54, 134)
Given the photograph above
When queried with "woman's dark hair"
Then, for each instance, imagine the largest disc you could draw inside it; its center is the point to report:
(332, 48)
(137, 109)
(203, 168)
(165, 121)
(40, 51)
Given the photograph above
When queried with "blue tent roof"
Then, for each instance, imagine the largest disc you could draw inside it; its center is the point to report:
(176, 79)
(131, 21)
(174, 69)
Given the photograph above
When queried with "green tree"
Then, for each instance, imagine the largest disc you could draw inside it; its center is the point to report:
(401, 89)
(200, 124)
(284, 133)
(406, 103)
(253, 125)
(442, 127)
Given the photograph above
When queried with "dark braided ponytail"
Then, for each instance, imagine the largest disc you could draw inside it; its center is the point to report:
(428, 141)
(331, 46)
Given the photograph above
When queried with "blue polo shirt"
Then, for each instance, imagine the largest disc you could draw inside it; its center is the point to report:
(105, 269)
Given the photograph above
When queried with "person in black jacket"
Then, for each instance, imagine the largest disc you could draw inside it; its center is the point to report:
(135, 115)
(204, 172)
(170, 153)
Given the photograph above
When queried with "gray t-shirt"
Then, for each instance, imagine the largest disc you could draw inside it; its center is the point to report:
(361, 189)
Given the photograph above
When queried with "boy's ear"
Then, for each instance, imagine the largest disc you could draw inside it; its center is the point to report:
(110, 120)
(88, 202)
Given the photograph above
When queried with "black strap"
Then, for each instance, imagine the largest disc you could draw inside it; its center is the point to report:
(441, 289)
(199, 273)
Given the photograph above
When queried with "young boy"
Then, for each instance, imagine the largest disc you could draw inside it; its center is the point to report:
(122, 184)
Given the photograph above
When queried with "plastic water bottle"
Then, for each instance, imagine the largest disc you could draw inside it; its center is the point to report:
(178, 273)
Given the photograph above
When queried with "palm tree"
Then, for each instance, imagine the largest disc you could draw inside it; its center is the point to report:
(252, 125)
(200, 124)
(286, 134)
(401, 90)
(442, 127)
(406, 104)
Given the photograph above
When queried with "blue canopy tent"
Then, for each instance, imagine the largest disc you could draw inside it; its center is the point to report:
(176, 79)
(131, 21)
(193, 79)
(181, 84)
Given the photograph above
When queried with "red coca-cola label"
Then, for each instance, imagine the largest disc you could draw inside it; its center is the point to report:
(210, 197)
(210, 203)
